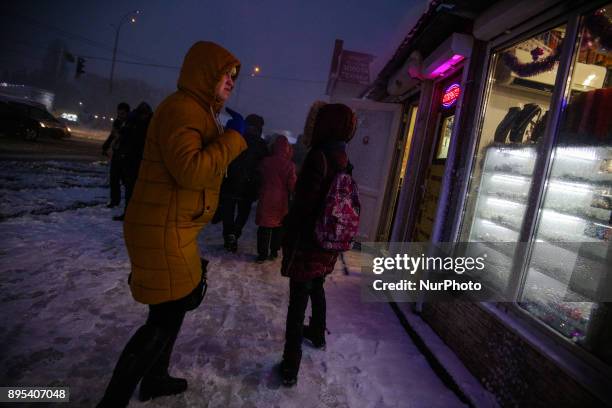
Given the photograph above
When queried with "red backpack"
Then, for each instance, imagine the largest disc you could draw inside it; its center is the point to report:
(338, 223)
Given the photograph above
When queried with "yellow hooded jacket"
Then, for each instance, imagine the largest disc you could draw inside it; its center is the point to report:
(177, 191)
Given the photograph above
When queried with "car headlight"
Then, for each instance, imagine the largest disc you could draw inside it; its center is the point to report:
(42, 125)
(68, 129)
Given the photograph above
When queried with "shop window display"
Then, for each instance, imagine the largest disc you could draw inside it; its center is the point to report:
(569, 261)
(519, 96)
(577, 205)
(445, 137)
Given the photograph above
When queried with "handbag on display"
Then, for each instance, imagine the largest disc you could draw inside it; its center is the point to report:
(512, 127)
(501, 133)
(538, 129)
(523, 119)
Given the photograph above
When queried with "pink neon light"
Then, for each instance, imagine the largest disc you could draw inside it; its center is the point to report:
(446, 65)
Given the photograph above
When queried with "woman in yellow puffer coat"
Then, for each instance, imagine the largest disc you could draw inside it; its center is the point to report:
(186, 154)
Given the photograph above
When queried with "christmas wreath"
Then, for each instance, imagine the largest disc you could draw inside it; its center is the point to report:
(532, 68)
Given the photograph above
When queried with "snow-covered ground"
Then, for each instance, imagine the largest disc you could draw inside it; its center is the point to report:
(67, 312)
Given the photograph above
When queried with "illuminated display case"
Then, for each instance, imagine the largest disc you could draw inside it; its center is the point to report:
(577, 209)
(541, 181)
(579, 197)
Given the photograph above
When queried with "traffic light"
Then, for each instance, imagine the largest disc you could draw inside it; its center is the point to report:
(80, 67)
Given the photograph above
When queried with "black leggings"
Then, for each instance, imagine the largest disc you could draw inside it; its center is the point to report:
(147, 353)
(167, 320)
(299, 293)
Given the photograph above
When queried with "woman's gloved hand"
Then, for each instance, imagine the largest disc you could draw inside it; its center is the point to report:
(236, 122)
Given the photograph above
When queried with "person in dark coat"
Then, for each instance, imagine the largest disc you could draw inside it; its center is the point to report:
(240, 187)
(278, 178)
(112, 143)
(304, 262)
(131, 147)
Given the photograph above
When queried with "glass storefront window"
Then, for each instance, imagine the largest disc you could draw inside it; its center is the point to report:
(575, 224)
(519, 92)
(445, 137)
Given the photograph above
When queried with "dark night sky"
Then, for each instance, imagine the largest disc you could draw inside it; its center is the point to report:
(287, 39)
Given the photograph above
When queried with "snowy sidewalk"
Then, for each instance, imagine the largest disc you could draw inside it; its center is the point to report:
(67, 313)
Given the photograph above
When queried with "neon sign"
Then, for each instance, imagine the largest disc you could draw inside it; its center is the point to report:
(451, 94)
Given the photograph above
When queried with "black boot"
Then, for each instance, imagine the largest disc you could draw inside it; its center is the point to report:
(157, 382)
(292, 353)
(315, 334)
(263, 243)
(289, 367)
(136, 359)
(153, 387)
(231, 243)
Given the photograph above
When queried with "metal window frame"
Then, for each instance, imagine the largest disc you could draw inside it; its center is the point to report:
(386, 226)
(544, 159)
(412, 189)
(398, 223)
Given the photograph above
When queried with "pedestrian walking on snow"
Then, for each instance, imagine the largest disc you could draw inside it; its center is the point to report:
(132, 135)
(241, 185)
(112, 143)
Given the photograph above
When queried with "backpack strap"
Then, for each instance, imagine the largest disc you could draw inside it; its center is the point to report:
(324, 164)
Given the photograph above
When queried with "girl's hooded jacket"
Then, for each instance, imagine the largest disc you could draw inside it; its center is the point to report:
(303, 259)
(185, 157)
(278, 177)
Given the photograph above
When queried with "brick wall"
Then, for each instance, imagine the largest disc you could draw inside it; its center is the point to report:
(516, 373)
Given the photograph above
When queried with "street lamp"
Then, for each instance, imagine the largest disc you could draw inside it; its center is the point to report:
(131, 17)
(255, 71)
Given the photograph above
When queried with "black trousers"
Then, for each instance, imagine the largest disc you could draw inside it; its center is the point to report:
(234, 213)
(299, 293)
(269, 240)
(128, 178)
(123, 172)
(114, 181)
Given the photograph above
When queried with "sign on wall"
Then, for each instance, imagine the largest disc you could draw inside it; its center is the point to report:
(355, 67)
(451, 95)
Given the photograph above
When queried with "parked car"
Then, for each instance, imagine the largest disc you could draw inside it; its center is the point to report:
(29, 120)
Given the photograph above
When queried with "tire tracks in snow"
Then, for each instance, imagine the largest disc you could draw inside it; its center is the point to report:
(50, 209)
(48, 176)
